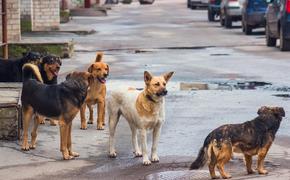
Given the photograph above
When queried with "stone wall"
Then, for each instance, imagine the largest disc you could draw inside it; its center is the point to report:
(46, 15)
(13, 21)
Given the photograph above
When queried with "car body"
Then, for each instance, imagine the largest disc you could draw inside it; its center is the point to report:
(146, 1)
(231, 10)
(213, 10)
(193, 4)
(278, 24)
(253, 15)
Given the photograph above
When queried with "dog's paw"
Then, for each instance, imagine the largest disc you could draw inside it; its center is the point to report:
(137, 154)
(113, 155)
(100, 127)
(263, 171)
(155, 158)
(90, 122)
(251, 171)
(52, 122)
(83, 127)
(226, 176)
(66, 155)
(25, 146)
(146, 162)
(42, 122)
(74, 154)
(32, 146)
(215, 177)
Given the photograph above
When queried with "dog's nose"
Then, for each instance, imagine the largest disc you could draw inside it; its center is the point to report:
(165, 92)
(105, 75)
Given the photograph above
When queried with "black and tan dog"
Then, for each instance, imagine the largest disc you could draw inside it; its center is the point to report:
(251, 138)
(61, 102)
(11, 69)
(49, 69)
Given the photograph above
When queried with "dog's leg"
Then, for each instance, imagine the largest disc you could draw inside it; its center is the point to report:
(34, 134)
(52, 122)
(135, 144)
(261, 156)
(101, 115)
(220, 166)
(39, 118)
(27, 115)
(211, 167)
(113, 121)
(156, 135)
(248, 161)
(69, 144)
(146, 160)
(83, 116)
(63, 139)
(91, 110)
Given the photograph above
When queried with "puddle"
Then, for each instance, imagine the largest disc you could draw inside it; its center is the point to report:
(229, 85)
(188, 47)
(282, 95)
(219, 54)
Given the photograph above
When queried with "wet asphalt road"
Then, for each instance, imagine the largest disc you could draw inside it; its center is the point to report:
(159, 38)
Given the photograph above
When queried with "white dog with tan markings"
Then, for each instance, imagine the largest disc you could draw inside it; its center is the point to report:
(144, 111)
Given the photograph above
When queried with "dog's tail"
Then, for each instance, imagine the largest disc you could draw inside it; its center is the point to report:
(31, 71)
(202, 155)
(99, 56)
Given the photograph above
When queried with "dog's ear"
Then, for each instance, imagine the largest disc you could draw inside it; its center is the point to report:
(68, 76)
(99, 56)
(147, 77)
(262, 110)
(167, 76)
(279, 111)
(108, 69)
(90, 69)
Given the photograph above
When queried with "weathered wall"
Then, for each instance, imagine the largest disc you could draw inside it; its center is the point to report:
(45, 15)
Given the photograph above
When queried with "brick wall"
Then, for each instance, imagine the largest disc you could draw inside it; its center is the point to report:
(45, 15)
(13, 21)
(26, 9)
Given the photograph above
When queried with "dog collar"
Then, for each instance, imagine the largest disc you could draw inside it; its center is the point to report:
(150, 98)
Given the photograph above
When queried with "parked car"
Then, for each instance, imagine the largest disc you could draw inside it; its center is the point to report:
(278, 24)
(231, 10)
(193, 4)
(253, 15)
(213, 10)
(146, 1)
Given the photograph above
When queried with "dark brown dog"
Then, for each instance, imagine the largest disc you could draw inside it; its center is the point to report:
(250, 138)
(61, 102)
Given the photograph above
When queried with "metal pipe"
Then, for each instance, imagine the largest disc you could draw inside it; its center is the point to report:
(4, 29)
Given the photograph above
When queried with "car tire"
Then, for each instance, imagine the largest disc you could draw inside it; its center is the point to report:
(188, 4)
(270, 41)
(193, 7)
(284, 43)
(228, 21)
(210, 15)
(248, 29)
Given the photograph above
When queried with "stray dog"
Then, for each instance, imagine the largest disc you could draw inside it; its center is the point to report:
(49, 69)
(96, 93)
(61, 102)
(11, 70)
(219, 153)
(251, 138)
(143, 111)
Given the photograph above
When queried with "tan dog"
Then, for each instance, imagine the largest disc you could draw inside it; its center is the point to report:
(219, 153)
(96, 93)
(144, 111)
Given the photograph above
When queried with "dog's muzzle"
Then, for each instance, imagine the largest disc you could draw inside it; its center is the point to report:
(162, 93)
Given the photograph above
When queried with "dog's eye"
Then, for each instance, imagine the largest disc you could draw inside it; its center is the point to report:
(164, 84)
(98, 69)
(157, 84)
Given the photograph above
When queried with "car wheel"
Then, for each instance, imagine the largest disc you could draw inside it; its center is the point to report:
(284, 43)
(228, 21)
(193, 7)
(248, 29)
(270, 41)
(210, 14)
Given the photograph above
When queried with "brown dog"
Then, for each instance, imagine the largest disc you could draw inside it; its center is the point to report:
(250, 138)
(96, 93)
(61, 102)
